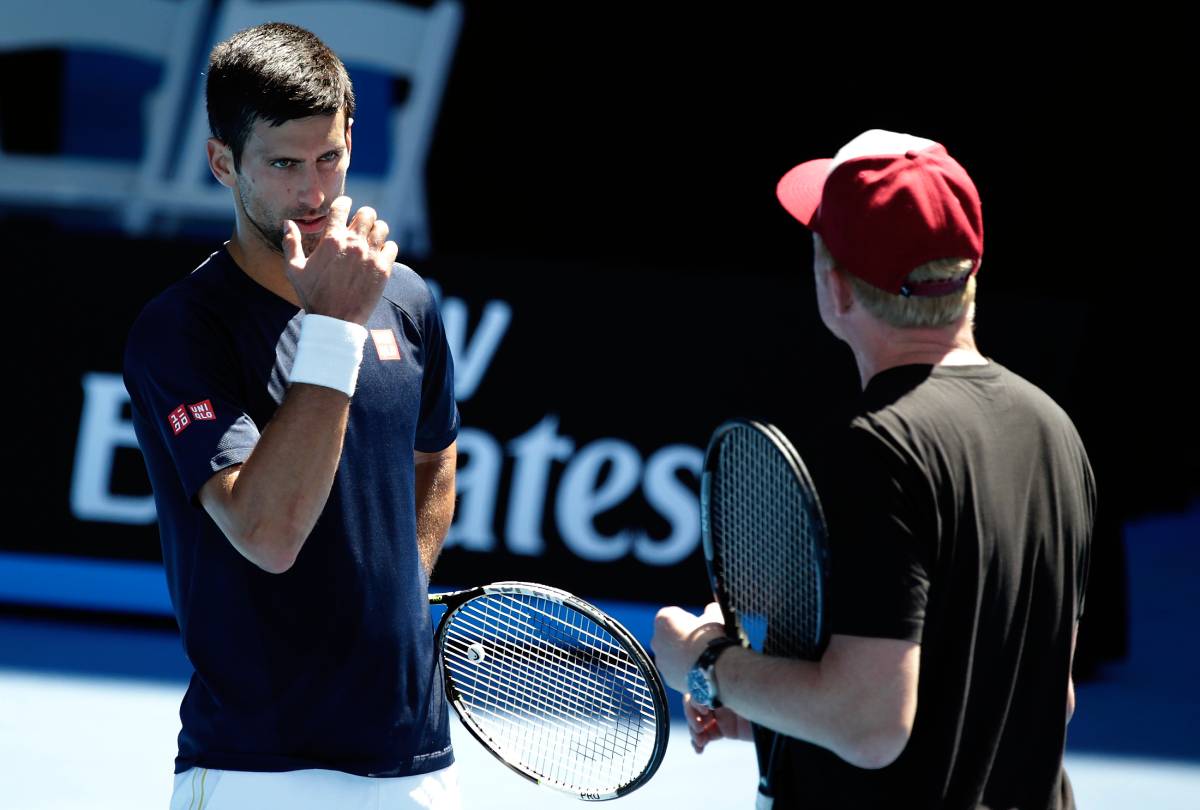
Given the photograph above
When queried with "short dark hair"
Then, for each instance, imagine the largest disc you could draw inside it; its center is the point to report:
(277, 72)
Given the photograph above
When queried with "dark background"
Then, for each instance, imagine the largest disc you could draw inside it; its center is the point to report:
(609, 172)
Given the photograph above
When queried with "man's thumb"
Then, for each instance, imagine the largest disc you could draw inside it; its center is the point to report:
(293, 250)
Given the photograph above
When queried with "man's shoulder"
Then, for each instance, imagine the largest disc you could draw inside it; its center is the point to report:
(182, 307)
(407, 291)
(184, 294)
(926, 390)
(952, 403)
(1030, 396)
(1014, 379)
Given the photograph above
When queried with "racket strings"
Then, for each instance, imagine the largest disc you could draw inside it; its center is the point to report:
(770, 546)
(552, 690)
(588, 748)
(544, 694)
(466, 628)
(603, 643)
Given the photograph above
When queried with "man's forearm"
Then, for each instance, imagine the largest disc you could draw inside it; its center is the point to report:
(268, 505)
(837, 703)
(859, 701)
(434, 483)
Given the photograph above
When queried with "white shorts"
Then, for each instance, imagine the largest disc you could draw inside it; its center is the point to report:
(208, 789)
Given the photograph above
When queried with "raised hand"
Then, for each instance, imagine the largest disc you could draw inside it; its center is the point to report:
(345, 274)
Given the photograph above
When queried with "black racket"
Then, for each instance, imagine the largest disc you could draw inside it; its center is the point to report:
(554, 688)
(765, 545)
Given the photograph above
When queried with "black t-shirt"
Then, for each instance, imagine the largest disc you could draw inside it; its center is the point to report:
(960, 509)
(329, 665)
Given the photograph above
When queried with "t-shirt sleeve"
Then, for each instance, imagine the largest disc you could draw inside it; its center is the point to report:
(879, 583)
(1084, 556)
(182, 385)
(437, 425)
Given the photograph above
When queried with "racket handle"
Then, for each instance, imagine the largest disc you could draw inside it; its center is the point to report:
(766, 781)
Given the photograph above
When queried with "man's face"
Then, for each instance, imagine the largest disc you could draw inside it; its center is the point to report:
(293, 171)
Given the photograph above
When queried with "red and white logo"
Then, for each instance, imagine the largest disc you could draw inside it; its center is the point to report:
(202, 411)
(183, 416)
(385, 344)
(179, 419)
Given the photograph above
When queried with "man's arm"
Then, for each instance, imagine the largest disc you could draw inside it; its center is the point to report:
(859, 700)
(435, 501)
(268, 505)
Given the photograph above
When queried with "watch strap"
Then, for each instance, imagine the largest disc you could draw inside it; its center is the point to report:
(708, 660)
(714, 649)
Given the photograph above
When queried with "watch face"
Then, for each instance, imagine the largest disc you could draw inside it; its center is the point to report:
(699, 687)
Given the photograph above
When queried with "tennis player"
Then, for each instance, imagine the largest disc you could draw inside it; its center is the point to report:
(293, 397)
(960, 518)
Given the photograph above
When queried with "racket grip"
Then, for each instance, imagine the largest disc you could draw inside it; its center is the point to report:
(764, 802)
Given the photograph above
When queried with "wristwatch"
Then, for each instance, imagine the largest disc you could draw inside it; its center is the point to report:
(702, 677)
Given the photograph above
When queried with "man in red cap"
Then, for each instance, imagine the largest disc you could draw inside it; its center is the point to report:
(960, 517)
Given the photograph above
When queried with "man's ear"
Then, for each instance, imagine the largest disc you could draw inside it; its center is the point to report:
(349, 125)
(843, 291)
(220, 163)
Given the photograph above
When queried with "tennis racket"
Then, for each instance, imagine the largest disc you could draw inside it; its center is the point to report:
(766, 548)
(553, 688)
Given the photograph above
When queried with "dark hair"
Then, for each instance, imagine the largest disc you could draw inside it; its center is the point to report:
(276, 72)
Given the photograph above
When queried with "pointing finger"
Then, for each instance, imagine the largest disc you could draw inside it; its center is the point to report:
(379, 234)
(364, 220)
(339, 209)
(293, 249)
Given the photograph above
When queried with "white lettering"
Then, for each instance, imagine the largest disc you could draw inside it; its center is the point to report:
(581, 498)
(674, 501)
(477, 483)
(600, 477)
(534, 451)
(473, 356)
(101, 432)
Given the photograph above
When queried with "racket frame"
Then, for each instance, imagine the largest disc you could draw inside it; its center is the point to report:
(713, 560)
(455, 600)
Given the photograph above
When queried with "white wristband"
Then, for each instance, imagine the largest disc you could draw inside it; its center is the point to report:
(329, 352)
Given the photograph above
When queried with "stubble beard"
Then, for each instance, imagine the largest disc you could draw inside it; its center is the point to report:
(274, 239)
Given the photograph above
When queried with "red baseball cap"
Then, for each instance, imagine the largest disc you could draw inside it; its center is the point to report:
(886, 204)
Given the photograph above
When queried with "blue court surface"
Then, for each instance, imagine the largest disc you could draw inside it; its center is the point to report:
(88, 715)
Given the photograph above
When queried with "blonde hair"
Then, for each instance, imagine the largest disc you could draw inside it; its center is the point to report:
(916, 311)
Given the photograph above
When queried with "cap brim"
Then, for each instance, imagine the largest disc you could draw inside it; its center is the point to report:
(800, 189)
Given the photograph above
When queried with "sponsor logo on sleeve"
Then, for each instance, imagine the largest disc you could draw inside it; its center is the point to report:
(385, 344)
(202, 411)
(179, 419)
(184, 415)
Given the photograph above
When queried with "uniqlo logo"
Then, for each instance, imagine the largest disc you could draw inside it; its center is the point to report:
(179, 419)
(202, 411)
(385, 344)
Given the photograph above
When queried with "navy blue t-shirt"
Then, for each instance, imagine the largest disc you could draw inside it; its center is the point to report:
(331, 664)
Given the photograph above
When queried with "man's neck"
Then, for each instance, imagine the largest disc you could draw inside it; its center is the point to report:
(890, 347)
(262, 264)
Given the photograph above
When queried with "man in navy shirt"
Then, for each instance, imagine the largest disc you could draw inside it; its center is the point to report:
(293, 398)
